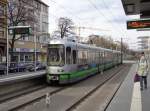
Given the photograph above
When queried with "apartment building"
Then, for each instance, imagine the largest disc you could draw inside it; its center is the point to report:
(31, 47)
(143, 42)
(3, 22)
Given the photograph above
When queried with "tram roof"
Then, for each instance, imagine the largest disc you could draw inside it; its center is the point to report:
(81, 45)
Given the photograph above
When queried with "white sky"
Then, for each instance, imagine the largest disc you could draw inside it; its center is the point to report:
(103, 14)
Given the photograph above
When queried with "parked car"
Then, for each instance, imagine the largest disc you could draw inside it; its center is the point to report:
(29, 66)
(39, 66)
(13, 67)
(21, 67)
(3, 68)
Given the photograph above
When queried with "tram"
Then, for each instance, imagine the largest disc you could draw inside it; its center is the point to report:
(69, 61)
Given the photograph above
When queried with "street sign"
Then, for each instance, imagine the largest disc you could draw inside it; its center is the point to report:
(20, 30)
(138, 24)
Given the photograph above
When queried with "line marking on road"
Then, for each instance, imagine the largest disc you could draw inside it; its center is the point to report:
(136, 104)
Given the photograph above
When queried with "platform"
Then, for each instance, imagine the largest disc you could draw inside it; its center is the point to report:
(129, 97)
(20, 76)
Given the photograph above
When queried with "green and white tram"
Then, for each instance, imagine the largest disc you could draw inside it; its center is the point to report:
(69, 61)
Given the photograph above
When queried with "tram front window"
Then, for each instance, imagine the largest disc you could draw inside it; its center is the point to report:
(56, 55)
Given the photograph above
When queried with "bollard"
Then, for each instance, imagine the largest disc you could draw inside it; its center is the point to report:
(101, 71)
(47, 99)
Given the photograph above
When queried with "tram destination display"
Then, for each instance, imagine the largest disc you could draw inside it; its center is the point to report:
(138, 24)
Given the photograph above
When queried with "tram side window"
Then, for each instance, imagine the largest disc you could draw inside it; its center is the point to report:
(68, 55)
(74, 57)
(82, 57)
(101, 57)
(97, 57)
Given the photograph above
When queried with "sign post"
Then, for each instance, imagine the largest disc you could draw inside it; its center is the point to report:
(17, 30)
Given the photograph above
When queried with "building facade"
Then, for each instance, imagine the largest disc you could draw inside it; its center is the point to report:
(3, 25)
(33, 47)
(143, 42)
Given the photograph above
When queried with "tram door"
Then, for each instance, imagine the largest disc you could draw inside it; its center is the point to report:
(101, 61)
(74, 55)
(68, 55)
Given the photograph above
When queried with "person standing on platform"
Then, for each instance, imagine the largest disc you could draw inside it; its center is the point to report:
(142, 70)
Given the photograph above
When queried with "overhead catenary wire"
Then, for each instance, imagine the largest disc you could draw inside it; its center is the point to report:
(70, 13)
(66, 10)
(111, 13)
(102, 14)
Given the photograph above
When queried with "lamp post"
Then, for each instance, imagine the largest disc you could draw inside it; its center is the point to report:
(35, 52)
(7, 45)
(121, 51)
(35, 46)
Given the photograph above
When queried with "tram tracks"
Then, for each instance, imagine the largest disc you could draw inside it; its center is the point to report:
(15, 94)
(20, 101)
(15, 89)
(54, 91)
(84, 98)
(85, 105)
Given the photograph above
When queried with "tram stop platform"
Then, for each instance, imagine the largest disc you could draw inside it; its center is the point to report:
(129, 97)
(13, 77)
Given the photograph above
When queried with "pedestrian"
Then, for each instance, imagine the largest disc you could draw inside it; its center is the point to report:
(142, 70)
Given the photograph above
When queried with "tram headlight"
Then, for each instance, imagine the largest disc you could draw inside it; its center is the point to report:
(60, 70)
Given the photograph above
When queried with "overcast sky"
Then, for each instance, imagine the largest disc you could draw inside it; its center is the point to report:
(103, 14)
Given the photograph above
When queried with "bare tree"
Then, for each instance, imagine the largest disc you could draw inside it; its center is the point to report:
(65, 28)
(106, 42)
(19, 13)
(98, 41)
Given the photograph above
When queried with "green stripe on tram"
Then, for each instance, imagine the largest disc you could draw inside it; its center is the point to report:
(78, 73)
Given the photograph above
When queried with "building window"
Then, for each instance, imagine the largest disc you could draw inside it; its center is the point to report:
(28, 58)
(37, 38)
(22, 57)
(44, 27)
(31, 38)
(25, 37)
(2, 10)
(45, 9)
(14, 58)
(0, 58)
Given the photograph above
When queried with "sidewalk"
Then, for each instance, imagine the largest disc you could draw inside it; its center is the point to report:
(145, 94)
(130, 97)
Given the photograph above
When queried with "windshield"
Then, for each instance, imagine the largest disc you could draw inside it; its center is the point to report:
(56, 55)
